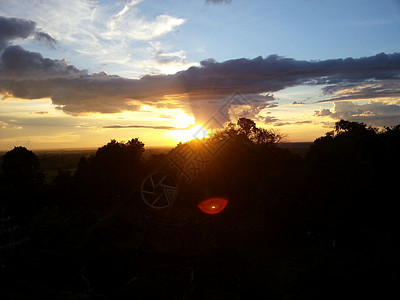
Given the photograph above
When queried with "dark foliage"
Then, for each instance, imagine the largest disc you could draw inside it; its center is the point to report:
(305, 227)
(21, 167)
(112, 173)
(22, 183)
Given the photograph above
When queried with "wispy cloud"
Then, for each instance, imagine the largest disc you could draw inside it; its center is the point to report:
(40, 112)
(45, 38)
(369, 89)
(373, 113)
(141, 126)
(111, 35)
(128, 23)
(218, 1)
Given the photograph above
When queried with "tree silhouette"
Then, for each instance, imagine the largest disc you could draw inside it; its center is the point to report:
(117, 160)
(112, 172)
(24, 182)
(351, 170)
(297, 224)
(248, 131)
(246, 126)
(344, 126)
(21, 167)
(249, 170)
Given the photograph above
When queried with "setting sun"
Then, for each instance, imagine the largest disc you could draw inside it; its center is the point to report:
(185, 135)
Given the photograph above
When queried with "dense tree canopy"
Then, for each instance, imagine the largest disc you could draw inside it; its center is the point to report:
(296, 223)
(23, 194)
(21, 166)
(113, 171)
(241, 162)
(246, 131)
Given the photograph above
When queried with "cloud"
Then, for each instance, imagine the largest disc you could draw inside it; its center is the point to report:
(171, 57)
(252, 107)
(45, 38)
(129, 23)
(104, 34)
(18, 64)
(166, 116)
(230, 107)
(141, 126)
(323, 112)
(13, 28)
(40, 112)
(3, 124)
(369, 89)
(372, 113)
(205, 88)
(218, 1)
(164, 61)
(293, 123)
(275, 73)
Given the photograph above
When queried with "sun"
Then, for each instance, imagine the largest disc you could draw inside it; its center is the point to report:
(185, 135)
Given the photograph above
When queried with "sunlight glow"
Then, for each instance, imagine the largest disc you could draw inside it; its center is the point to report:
(185, 135)
(182, 119)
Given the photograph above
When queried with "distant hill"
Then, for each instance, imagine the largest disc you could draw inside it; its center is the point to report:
(299, 148)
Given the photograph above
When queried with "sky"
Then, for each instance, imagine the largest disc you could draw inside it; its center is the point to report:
(78, 73)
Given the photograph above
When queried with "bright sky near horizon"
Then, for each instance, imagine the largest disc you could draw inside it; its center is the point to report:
(75, 74)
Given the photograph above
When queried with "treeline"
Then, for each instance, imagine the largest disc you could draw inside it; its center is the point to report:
(90, 230)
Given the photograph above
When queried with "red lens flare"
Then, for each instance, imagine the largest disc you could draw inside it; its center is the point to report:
(213, 206)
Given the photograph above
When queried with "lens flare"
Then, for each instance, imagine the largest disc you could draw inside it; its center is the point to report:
(213, 206)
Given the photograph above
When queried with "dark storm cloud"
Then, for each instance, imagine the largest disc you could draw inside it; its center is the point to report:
(275, 73)
(16, 61)
(28, 75)
(13, 28)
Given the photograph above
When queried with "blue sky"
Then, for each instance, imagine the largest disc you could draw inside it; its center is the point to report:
(123, 69)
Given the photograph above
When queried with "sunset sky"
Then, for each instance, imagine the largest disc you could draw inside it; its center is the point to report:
(75, 74)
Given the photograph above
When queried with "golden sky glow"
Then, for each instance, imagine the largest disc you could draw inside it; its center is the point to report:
(194, 132)
(126, 69)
